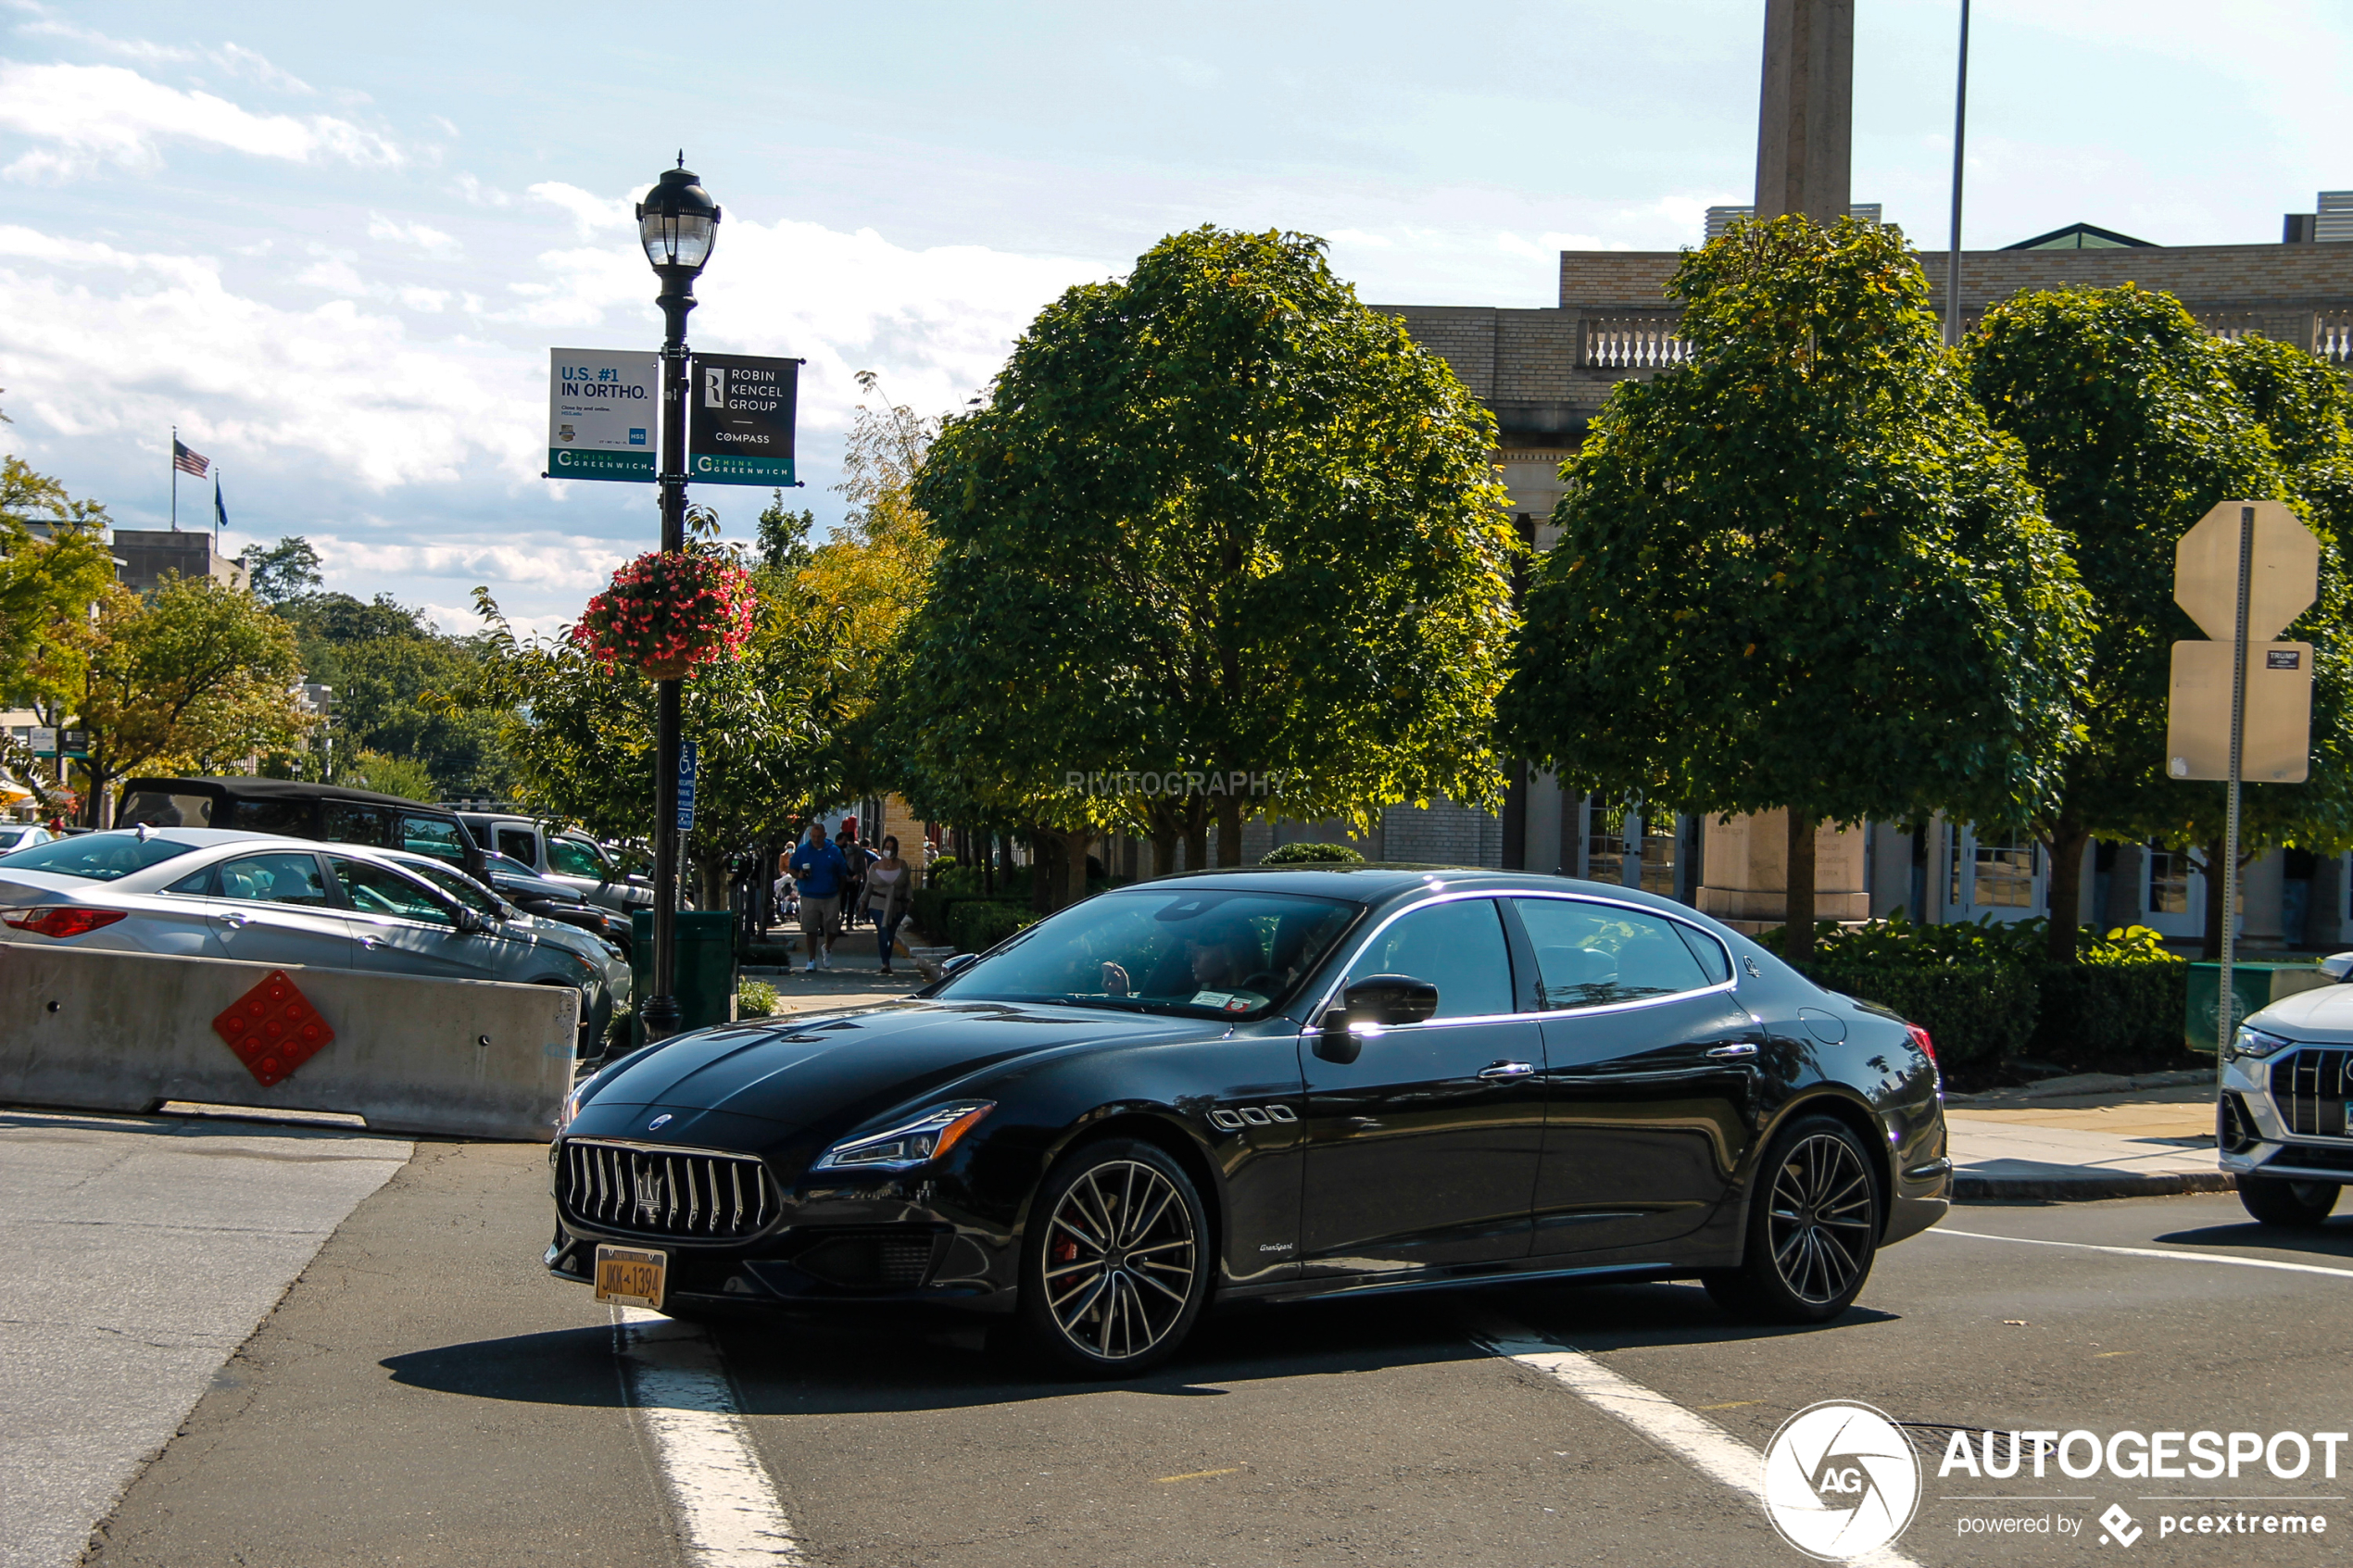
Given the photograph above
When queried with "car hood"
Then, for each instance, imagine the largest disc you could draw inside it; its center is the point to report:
(814, 1077)
(2322, 1015)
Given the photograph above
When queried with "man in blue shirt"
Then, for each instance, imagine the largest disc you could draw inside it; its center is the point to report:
(820, 871)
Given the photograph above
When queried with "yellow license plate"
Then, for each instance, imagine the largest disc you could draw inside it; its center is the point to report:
(631, 1275)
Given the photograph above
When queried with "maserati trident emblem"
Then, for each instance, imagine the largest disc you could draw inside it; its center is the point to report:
(650, 1195)
(658, 1122)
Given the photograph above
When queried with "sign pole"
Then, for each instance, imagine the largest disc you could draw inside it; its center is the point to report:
(2226, 1000)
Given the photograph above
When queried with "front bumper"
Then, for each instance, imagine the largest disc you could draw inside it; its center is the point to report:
(2266, 1142)
(889, 1242)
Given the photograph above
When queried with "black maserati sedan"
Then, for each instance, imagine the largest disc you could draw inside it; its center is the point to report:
(1274, 1083)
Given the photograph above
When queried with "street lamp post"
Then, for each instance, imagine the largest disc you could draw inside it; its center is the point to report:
(677, 221)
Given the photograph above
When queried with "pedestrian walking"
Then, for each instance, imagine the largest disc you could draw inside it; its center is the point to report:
(889, 884)
(854, 889)
(819, 869)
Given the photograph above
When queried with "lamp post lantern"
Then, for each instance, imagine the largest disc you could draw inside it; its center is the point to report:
(677, 223)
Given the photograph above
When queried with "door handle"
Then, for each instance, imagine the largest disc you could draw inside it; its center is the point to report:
(1726, 1053)
(1507, 1070)
(236, 922)
(371, 941)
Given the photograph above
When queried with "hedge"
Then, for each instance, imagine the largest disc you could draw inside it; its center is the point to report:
(979, 924)
(2112, 1009)
(1976, 1013)
(1311, 855)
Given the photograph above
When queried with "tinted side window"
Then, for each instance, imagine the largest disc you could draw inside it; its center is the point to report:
(285, 876)
(1458, 947)
(160, 808)
(1713, 959)
(462, 888)
(380, 890)
(1591, 955)
(290, 817)
(517, 842)
(347, 821)
(569, 856)
(437, 836)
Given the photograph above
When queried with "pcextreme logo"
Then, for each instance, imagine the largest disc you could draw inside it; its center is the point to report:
(1841, 1481)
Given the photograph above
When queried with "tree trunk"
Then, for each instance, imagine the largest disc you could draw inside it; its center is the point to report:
(1074, 846)
(1229, 832)
(1797, 935)
(2213, 901)
(1196, 835)
(2065, 846)
(1165, 828)
(989, 862)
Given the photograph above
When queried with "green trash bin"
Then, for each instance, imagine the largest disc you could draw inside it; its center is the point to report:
(2254, 986)
(706, 974)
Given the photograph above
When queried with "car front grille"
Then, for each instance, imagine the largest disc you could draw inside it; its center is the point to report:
(2309, 1088)
(2306, 1157)
(647, 1190)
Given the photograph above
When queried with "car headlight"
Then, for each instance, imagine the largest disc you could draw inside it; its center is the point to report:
(909, 1144)
(570, 1107)
(2255, 1042)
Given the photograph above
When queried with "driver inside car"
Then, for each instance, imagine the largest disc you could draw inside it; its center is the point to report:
(1219, 958)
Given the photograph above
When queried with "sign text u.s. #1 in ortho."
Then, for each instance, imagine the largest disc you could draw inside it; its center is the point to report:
(604, 411)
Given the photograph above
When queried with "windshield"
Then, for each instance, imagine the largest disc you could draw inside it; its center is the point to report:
(101, 857)
(458, 887)
(1179, 949)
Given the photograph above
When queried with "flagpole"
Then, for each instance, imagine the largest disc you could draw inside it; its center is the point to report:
(175, 479)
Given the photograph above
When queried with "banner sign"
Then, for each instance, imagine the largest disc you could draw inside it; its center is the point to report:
(687, 761)
(739, 420)
(603, 409)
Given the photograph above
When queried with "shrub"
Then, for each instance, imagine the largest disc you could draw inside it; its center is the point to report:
(1976, 1013)
(755, 999)
(1311, 855)
(979, 924)
(2112, 1009)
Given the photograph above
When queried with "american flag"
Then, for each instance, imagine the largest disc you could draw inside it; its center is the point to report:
(187, 462)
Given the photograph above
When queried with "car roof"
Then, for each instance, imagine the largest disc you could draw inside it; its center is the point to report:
(282, 789)
(1376, 882)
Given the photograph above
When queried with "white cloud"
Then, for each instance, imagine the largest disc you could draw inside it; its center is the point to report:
(480, 195)
(235, 59)
(590, 213)
(334, 275)
(432, 241)
(574, 565)
(91, 114)
(429, 302)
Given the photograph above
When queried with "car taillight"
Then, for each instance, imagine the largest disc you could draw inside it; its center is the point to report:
(59, 919)
(1920, 1038)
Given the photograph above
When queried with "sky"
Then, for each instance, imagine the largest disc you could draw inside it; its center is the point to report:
(334, 245)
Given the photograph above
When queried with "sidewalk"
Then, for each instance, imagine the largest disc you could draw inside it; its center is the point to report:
(2070, 1140)
(855, 979)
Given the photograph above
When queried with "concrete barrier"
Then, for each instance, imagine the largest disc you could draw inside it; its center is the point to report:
(98, 1031)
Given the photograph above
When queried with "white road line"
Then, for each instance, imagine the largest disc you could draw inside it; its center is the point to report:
(724, 1500)
(2148, 1252)
(1691, 1438)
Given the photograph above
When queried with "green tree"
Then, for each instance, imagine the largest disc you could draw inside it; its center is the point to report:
(391, 775)
(391, 669)
(2135, 423)
(54, 565)
(288, 569)
(1218, 519)
(1802, 570)
(195, 677)
(581, 740)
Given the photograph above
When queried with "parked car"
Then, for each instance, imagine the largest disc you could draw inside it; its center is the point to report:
(327, 813)
(1267, 1084)
(487, 903)
(23, 836)
(2283, 1121)
(574, 859)
(550, 899)
(257, 897)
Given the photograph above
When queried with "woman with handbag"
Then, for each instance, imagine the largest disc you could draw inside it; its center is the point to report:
(889, 882)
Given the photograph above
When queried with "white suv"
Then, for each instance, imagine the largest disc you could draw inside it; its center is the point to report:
(2285, 1124)
(573, 859)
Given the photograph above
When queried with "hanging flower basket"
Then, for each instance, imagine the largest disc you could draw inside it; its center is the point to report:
(668, 615)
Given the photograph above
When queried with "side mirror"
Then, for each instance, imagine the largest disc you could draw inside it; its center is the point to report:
(1392, 998)
(471, 924)
(1376, 999)
(2338, 967)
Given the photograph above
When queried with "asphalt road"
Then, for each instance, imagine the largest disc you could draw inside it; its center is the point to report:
(424, 1395)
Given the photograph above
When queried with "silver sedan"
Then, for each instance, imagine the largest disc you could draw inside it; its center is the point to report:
(261, 898)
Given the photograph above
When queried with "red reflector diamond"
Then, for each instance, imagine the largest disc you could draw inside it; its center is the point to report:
(273, 1029)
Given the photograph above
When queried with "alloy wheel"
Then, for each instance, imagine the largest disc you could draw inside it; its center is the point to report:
(1819, 1222)
(1120, 1261)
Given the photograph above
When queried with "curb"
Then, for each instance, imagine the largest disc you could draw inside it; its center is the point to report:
(2081, 1085)
(2087, 1189)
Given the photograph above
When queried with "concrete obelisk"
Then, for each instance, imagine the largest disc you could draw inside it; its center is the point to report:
(1806, 118)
